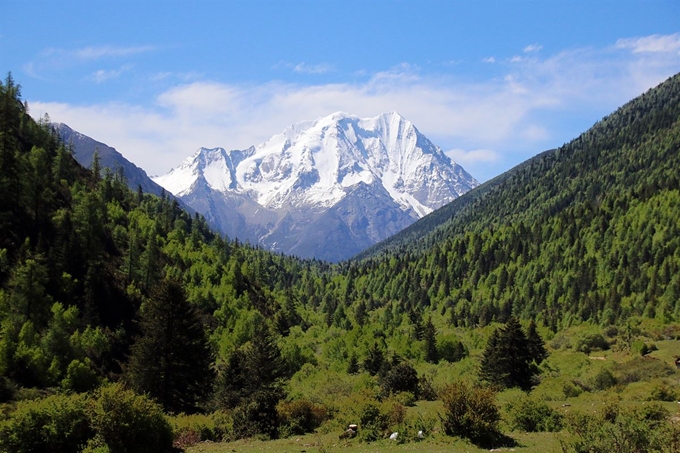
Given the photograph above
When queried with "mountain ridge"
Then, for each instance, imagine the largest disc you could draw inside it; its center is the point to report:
(311, 167)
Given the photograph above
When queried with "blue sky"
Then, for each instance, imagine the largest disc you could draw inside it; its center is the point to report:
(491, 82)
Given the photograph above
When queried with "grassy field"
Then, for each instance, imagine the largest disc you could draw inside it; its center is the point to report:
(526, 442)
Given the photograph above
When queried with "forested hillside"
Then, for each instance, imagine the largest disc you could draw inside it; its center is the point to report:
(588, 231)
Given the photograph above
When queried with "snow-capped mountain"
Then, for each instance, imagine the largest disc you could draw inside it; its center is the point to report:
(325, 189)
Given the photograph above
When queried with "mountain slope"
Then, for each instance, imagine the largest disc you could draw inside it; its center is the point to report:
(84, 148)
(325, 189)
(588, 231)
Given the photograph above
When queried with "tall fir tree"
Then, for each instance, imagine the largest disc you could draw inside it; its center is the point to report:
(171, 360)
(430, 342)
(506, 360)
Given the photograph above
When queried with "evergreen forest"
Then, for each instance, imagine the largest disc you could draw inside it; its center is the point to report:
(127, 324)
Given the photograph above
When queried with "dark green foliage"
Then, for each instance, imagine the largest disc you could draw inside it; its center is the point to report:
(603, 380)
(129, 423)
(507, 360)
(171, 361)
(57, 424)
(353, 364)
(375, 359)
(257, 414)
(471, 412)
(591, 342)
(400, 378)
(430, 342)
(114, 419)
(618, 430)
(536, 345)
(451, 350)
(373, 422)
(529, 415)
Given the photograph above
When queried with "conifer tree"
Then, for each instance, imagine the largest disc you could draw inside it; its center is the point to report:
(429, 337)
(170, 360)
(506, 360)
(537, 349)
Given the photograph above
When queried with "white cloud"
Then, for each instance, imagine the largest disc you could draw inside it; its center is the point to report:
(653, 43)
(52, 61)
(305, 68)
(489, 60)
(488, 124)
(532, 48)
(93, 53)
(102, 75)
(474, 156)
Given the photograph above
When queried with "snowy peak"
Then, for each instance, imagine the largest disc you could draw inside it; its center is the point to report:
(311, 167)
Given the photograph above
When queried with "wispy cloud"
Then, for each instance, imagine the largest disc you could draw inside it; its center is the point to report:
(93, 53)
(487, 124)
(55, 60)
(489, 60)
(102, 75)
(651, 44)
(532, 48)
(306, 68)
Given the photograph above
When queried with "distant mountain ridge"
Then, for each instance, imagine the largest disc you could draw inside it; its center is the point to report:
(83, 150)
(323, 189)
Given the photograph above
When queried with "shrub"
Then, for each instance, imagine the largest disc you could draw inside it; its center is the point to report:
(129, 423)
(401, 378)
(571, 390)
(663, 392)
(55, 424)
(603, 380)
(591, 342)
(373, 422)
(80, 377)
(188, 430)
(471, 412)
(257, 415)
(300, 416)
(529, 415)
(426, 390)
(642, 369)
(622, 431)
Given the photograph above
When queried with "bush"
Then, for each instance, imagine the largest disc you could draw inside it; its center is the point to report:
(530, 415)
(373, 422)
(603, 380)
(257, 415)
(129, 423)
(471, 412)
(663, 392)
(426, 390)
(55, 424)
(188, 430)
(300, 416)
(622, 431)
(401, 378)
(591, 342)
(642, 369)
(80, 377)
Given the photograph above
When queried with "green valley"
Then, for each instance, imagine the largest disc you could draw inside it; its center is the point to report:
(538, 312)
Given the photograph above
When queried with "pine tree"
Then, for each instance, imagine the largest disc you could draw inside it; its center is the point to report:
(171, 360)
(506, 360)
(537, 349)
(375, 358)
(430, 339)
